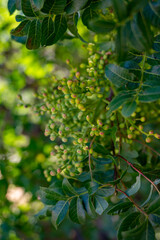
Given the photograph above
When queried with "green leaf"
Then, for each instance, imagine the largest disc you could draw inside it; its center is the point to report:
(128, 153)
(120, 208)
(92, 187)
(39, 3)
(47, 30)
(72, 25)
(119, 179)
(128, 108)
(149, 197)
(139, 33)
(43, 197)
(152, 13)
(67, 188)
(18, 4)
(101, 26)
(119, 76)
(74, 6)
(88, 15)
(60, 28)
(119, 9)
(100, 204)
(152, 77)
(11, 6)
(59, 212)
(43, 212)
(136, 5)
(156, 45)
(29, 9)
(121, 43)
(100, 149)
(149, 94)
(53, 194)
(100, 4)
(88, 205)
(134, 188)
(105, 192)
(22, 29)
(154, 206)
(101, 161)
(76, 210)
(34, 35)
(119, 100)
(130, 221)
(20, 18)
(85, 176)
(54, 6)
(103, 176)
(143, 231)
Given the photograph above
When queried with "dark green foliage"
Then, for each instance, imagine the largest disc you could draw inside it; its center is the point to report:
(132, 21)
(96, 113)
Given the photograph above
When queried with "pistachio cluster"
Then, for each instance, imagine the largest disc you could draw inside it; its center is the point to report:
(77, 110)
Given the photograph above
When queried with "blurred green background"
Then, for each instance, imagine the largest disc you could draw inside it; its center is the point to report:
(24, 150)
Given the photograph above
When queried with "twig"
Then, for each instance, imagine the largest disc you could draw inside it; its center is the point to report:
(130, 164)
(135, 204)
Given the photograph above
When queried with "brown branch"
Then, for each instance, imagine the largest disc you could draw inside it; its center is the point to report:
(135, 204)
(130, 164)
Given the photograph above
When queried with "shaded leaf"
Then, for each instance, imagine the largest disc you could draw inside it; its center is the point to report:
(84, 176)
(121, 43)
(76, 210)
(143, 231)
(47, 29)
(88, 15)
(54, 6)
(92, 187)
(29, 9)
(88, 205)
(59, 212)
(154, 206)
(130, 221)
(100, 204)
(67, 188)
(149, 197)
(52, 194)
(60, 28)
(119, 100)
(118, 76)
(128, 108)
(101, 26)
(149, 94)
(134, 188)
(119, 9)
(34, 35)
(72, 25)
(120, 207)
(11, 6)
(22, 29)
(100, 4)
(105, 191)
(74, 6)
(102, 161)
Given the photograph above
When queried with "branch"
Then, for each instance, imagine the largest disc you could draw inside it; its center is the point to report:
(130, 164)
(135, 204)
